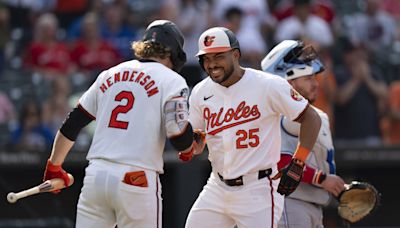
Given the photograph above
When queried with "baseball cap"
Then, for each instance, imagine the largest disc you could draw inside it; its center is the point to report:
(217, 39)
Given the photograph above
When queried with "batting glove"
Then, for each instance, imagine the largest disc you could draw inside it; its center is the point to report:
(199, 142)
(197, 147)
(55, 171)
(290, 177)
(186, 156)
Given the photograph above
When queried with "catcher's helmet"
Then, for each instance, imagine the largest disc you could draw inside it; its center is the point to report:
(168, 34)
(290, 60)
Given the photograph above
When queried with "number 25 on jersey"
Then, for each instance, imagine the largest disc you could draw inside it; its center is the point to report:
(247, 139)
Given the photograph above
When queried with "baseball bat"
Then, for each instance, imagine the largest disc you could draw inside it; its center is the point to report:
(47, 186)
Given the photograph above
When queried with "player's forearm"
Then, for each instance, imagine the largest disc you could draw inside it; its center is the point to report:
(309, 129)
(61, 147)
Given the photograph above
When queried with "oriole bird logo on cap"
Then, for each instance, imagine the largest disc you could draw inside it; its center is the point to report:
(208, 40)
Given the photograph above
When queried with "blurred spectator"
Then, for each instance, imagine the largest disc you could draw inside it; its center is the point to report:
(391, 122)
(68, 10)
(392, 7)
(4, 34)
(304, 25)
(46, 54)
(193, 19)
(374, 27)
(23, 12)
(56, 107)
(143, 12)
(74, 30)
(325, 9)
(233, 21)
(91, 53)
(254, 27)
(360, 99)
(7, 110)
(115, 31)
(169, 10)
(233, 17)
(31, 134)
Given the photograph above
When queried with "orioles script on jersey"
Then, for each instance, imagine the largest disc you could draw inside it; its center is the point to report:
(145, 81)
(234, 116)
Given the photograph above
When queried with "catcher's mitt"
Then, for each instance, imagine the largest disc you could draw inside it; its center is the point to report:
(357, 201)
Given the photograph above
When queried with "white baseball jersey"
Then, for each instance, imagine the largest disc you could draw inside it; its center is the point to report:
(242, 121)
(127, 101)
(321, 157)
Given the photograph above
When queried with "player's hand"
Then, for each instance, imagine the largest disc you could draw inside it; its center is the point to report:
(290, 177)
(55, 171)
(199, 137)
(333, 184)
(186, 155)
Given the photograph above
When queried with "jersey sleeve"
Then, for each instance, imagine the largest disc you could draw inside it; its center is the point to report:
(286, 100)
(195, 115)
(176, 88)
(88, 100)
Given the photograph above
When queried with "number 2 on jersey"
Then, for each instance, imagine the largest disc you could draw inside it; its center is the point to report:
(252, 138)
(123, 95)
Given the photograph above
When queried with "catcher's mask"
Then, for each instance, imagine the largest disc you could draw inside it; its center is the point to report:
(216, 40)
(290, 60)
(168, 34)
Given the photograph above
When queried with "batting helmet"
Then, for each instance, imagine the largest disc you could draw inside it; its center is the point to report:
(168, 34)
(290, 59)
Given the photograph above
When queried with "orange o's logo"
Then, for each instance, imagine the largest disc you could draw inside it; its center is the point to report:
(295, 95)
(208, 40)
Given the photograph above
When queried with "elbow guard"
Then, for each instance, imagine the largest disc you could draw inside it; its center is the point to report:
(176, 116)
(75, 121)
(177, 125)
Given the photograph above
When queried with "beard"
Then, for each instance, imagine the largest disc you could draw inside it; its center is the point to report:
(227, 74)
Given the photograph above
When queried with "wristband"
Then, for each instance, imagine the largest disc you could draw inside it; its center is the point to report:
(51, 167)
(301, 153)
(318, 178)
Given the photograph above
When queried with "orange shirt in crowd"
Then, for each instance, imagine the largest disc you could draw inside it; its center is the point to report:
(390, 124)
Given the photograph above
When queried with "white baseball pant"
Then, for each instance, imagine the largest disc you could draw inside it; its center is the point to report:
(252, 205)
(106, 201)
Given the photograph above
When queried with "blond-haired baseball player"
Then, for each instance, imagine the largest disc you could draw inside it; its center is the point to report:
(136, 105)
(239, 109)
(299, 65)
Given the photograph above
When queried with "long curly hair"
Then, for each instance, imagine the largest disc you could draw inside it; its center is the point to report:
(147, 49)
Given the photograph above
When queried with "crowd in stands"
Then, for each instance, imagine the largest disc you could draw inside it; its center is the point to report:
(52, 50)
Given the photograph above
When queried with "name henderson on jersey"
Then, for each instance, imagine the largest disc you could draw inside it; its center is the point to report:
(146, 82)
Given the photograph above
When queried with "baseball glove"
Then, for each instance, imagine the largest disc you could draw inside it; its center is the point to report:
(357, 201)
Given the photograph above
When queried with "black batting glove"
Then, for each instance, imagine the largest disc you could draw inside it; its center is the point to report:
(290, 177)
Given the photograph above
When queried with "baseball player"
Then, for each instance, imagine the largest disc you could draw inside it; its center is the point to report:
(136, 104)
(239, 109)
(303, 208)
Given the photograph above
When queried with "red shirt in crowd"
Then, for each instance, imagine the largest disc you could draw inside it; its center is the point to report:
(99, 57)
(48, 57)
